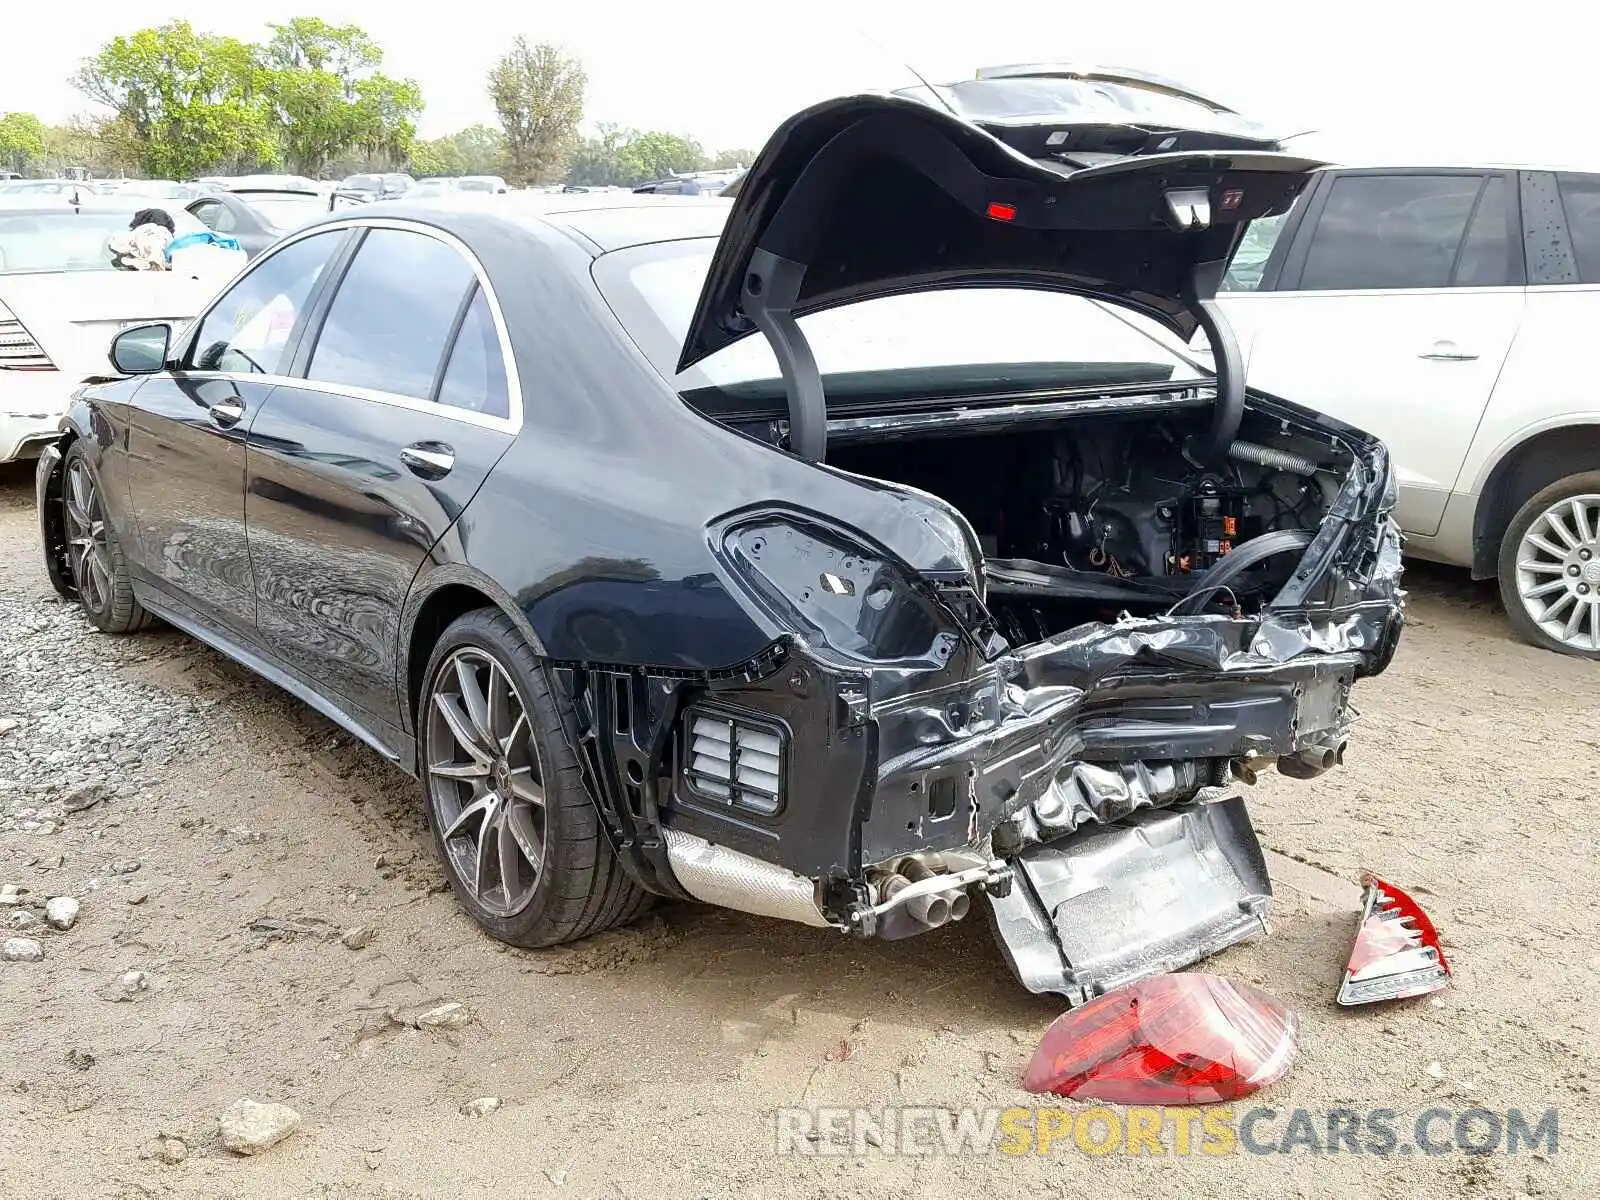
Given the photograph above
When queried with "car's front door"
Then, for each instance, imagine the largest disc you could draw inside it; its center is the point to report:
(186, 437)
(1394, 309)
(358, 468)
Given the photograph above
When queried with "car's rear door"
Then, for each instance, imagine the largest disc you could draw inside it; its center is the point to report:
(186, 436)
(1394, 309)
(405, 398)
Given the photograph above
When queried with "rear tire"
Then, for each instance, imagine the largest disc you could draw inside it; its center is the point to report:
(1549, 567)
(512, 819)
(94, 555)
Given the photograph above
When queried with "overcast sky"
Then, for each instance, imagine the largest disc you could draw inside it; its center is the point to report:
(1400, 79)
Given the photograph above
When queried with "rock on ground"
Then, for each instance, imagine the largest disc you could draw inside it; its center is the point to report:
(248, 1127)
(481, 1107)
(61, 912)
(446, 1016)
(20, 949)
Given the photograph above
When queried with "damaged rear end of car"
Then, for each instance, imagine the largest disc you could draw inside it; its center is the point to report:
(1034, 622)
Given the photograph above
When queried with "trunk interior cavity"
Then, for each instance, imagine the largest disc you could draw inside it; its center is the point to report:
(1081, 519)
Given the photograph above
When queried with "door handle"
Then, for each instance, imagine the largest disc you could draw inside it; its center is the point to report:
(1445, 350)
(226, 413)
(429, 460)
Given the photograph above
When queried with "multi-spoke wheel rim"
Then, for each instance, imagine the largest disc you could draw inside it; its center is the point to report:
(484, 781)
(1558, 572)
(86, 538)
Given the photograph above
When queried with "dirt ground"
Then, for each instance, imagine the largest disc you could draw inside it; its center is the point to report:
(648, 1063)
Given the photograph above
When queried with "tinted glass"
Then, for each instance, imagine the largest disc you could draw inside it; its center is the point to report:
(1580, 197)
(392, 315)
(1249, 262)
(215, 216)
(958, 341)
(1486, 254)
(249, 328)
(64, 240)
(1390, 231)
(476, 377)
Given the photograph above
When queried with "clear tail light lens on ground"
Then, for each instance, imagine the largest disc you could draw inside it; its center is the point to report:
(1397, 952)
(1173, 1039)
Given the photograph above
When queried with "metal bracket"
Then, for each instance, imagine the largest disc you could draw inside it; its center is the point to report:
(771, 289)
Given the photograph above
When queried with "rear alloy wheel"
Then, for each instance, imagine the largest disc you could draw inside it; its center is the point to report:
(1550, 567)
(483, 781)
(518, 833)
(94, 557)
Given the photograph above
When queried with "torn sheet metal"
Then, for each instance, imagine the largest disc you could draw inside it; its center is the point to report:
(1154, 892)
(1397, 952)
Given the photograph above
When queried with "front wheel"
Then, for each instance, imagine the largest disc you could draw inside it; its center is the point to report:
(94, 556)
(512, 820)
(1550, 567)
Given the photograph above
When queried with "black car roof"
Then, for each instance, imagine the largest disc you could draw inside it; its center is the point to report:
(597, 221)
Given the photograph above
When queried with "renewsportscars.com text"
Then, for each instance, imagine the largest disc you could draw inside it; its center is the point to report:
(1101, 1130)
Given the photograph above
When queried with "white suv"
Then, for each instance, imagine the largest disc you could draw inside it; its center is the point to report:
(1444, 309)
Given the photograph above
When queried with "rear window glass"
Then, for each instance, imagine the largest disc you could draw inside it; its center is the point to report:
(956, 342)
(67, 240)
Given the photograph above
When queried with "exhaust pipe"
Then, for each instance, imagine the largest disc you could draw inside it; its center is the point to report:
(932, 911)
(729, 879)
(1313, 760)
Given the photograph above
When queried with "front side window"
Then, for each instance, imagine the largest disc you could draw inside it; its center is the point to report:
(249, 328)
(387, 327)
(1249, 262)
(1391, 231)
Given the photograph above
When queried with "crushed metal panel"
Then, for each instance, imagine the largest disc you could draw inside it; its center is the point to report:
(1153, 892)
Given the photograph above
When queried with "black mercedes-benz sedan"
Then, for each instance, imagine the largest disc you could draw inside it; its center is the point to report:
(848, 553)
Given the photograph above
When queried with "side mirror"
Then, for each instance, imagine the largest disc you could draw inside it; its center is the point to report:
(141, 349)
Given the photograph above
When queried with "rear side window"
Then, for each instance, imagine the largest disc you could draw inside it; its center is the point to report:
(387, 327)
(475, 378)
(1580, 198)
(1393, 231)
(1485, 259)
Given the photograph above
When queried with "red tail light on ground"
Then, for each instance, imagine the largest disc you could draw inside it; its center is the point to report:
(1397, 952)
(1174, 1039)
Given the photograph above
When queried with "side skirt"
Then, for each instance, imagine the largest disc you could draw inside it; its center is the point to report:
(393, 744)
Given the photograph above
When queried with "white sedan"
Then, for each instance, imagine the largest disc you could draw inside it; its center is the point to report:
(61, 300)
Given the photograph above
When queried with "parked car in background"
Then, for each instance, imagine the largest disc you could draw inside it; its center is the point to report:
(959, 588)
(1446, 308)
(61, 300)
(156, 189)
(370, 186)
(258, 217)
(482, 183)
(446, 185)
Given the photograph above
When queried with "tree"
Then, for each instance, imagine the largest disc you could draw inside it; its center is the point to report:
(630, 156)
(728, 160)
(191, 101)
(328, 96)
(538, 94)
(475, 150)
(21, 140)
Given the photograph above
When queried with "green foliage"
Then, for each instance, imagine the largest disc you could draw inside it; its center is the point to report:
(21, 140)
(476, 150)
(187, 103)
(538, 95)
(192, 100)
(328, 96)
(629, 156)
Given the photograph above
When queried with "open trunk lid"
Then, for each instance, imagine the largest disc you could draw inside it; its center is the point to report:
(871, 196)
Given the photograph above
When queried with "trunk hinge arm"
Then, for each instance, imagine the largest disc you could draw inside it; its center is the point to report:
(1189, 209)
(771, 288)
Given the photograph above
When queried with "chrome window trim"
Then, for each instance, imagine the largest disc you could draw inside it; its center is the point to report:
(512, 423)
(394, 399)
